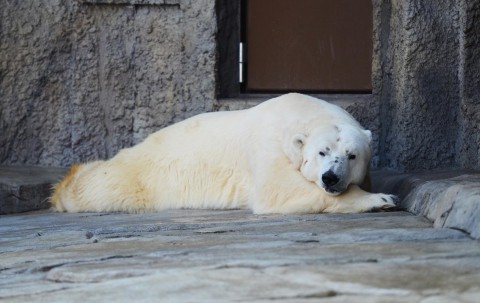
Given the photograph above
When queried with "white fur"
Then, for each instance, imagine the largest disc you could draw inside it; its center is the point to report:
(265, 158)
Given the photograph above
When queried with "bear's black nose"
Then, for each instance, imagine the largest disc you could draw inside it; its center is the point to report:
(329, 178)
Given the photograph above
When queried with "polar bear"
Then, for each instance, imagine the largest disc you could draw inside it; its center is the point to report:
(290, 154)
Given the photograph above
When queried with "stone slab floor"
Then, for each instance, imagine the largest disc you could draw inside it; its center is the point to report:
(234, 256)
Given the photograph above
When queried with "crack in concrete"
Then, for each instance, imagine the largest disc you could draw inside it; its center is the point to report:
(316, 295)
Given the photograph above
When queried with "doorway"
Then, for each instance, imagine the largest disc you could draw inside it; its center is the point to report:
(307, 46)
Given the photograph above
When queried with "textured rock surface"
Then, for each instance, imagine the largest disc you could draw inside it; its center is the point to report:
(26, 188)
(218, 256)
(426, 65)
(469, 119)
(81, 79)
(447, 198)
(453, 203)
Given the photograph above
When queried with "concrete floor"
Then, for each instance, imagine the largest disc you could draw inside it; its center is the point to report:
(225, 256)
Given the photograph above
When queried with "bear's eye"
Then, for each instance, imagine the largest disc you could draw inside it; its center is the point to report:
(351, 157)
(322, 154)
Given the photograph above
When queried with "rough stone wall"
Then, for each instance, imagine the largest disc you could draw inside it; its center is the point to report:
(80, 79)
(422, 77)
(468, 144)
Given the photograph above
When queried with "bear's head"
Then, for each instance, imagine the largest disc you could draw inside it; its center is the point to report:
(332, 156)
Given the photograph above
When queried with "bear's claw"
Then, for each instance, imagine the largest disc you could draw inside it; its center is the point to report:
(384, 208)
(391, 203)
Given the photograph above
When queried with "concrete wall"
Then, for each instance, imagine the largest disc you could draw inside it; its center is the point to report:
(468, 144)
(80, 79)
(428, 88)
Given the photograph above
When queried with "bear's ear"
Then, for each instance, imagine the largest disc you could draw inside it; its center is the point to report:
(369, 135)
(293, 148)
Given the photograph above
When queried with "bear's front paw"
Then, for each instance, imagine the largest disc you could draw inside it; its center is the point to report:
(385, 202)
(359, 201)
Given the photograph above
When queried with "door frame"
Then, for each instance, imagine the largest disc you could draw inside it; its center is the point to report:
(231, 30)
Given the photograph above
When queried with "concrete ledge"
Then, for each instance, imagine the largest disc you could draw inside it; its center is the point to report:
(448, 198)
(132, 2)
(26, 188)
(245, 101)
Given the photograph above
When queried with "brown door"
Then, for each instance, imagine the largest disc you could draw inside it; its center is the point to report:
(309, 45)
